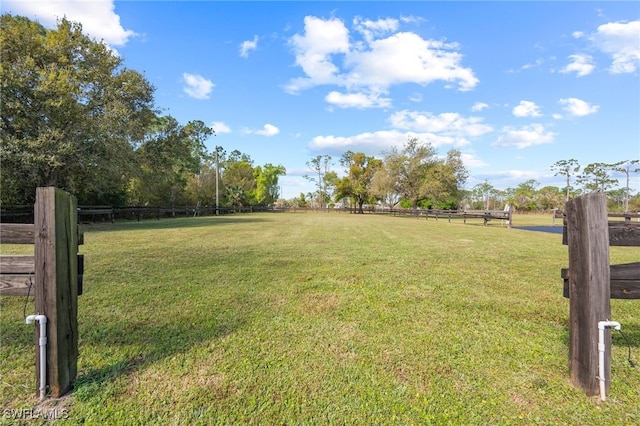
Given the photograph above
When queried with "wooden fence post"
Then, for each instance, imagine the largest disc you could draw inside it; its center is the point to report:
(56, 284)
(589, 292)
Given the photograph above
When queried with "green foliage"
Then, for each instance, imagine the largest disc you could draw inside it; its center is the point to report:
(597, 177)
(267, 190)
(70, 115)
(410, 169)
(323, 178)
(566, 168)
(356, 185)
(239, 183)
(167, 158)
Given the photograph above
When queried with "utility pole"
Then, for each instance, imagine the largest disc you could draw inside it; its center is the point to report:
(217, 173)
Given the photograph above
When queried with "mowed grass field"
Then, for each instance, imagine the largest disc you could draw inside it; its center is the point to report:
(322, 318)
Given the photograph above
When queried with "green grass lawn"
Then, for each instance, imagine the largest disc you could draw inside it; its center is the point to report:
(318, 318)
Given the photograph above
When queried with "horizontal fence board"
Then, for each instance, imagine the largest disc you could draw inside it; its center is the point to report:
(621, 233)
(619, 289)
(624, 284)
(17, 233)
(17, 264)
(625, 271)
(16, 285)
(625, 289)
(24, 233)
(624, 233)
(17, 274)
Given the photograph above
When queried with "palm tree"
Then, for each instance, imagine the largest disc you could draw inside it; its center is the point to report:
(236, 195)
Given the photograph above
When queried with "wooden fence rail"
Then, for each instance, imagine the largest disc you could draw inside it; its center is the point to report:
(54, 276)
(590, 282)
(111, 213)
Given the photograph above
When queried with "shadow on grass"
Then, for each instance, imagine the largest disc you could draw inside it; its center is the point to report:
(141, 342)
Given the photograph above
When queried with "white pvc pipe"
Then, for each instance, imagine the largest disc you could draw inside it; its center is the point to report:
(602, 325)
(43, 351)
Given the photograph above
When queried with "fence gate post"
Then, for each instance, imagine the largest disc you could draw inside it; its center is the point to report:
(589, 292)
(56, 284)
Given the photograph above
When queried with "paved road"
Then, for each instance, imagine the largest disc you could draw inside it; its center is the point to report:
(552, 229)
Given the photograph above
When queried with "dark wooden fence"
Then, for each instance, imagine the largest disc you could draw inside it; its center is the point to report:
(24, 214)
(53, 275)
(111, 213)
(590, 281)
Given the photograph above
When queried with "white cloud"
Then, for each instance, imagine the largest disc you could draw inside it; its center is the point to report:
(98, 17)
(374, 29)
(197, 86)
(327, 56)
(268, 130)
(374, 143)
(416, 97)
(577, 34)
(247, 46)
(581, 64)
(578, 107)
(357, 100)
(472, 161)
(220, 127)
(479, 106)
(448, 123)
(412, 19)
(534, 134)
(620, 40)
(538, 62)
(321, 40)
(408, 58)
(526, 109)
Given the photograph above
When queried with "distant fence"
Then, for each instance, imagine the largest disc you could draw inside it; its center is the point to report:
(23, 214)
(591, 281)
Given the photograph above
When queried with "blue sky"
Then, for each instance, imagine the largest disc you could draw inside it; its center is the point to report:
(515, 86)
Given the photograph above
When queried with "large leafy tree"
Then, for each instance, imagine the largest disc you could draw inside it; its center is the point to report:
(383, 186)
(410, 169)
(525, 195)
(267, 190)
(71, 113)
(445, 180)
(549, 197)
(167, 158)
(239, 179)
(356, 184)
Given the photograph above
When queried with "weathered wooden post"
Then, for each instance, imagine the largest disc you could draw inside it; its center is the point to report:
(56, 284)
(589, 291)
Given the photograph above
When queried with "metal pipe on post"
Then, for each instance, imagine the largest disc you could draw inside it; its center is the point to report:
(603, 342)
(42, 343)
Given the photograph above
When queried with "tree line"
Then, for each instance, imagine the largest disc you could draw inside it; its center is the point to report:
(527, 196)
(75, 117)
(413, 176)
